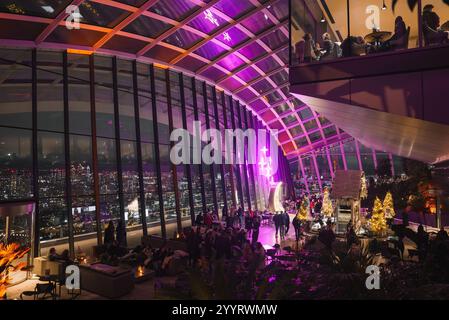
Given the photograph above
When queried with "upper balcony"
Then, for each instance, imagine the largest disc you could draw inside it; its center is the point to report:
(329, 30)
(382, 85)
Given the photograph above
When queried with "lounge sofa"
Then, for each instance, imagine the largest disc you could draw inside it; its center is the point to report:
(107, 281)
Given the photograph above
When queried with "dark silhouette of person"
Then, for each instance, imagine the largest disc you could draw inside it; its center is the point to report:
(399, 39)
(431, 27)
(278, 220)
(286, 222)
(422, 242)
(199, 219)
(442, 235)
(256, 228)
(297, 225)
(351, 237)
(109, 233)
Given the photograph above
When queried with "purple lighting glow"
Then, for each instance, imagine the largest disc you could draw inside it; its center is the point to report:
(265, 165)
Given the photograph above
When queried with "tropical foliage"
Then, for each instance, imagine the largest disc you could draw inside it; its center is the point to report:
(8, 255)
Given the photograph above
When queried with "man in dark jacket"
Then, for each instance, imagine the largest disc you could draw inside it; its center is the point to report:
(278, 221)
(297, 225)
(286, 222)
(256, 225)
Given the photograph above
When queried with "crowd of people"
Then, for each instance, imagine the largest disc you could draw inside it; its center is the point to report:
(308, 50)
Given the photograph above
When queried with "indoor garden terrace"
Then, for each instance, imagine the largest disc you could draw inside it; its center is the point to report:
(353, 205)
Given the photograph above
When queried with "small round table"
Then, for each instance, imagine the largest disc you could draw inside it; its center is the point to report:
(377, 37)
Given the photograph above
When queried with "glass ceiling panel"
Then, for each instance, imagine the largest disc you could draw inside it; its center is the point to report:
(314, 137)
(210, 50)
(147, 27)
(252, 51)
(296, 131)
(282, 108)
(262, 86)
(101, 15)
(305, 114)
(279, 10)
(233, 8)
(207, 22)
(183, 39)
(44, 8)
(268, 64)
(275, 39)
(174, 9)
(246, 94)
(274, 97)
(301, 142)
(311, 125)
(330, 131)
(289, 119)
(283, 54)
(257, 23)
(248, 74)
(231, 84)
(231, 62)
(280, 77)
(233, 37)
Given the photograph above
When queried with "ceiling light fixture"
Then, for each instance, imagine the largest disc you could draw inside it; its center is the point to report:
(323, 19)
(227, 37)
(208, 15)
(48, 9)
(384, 7)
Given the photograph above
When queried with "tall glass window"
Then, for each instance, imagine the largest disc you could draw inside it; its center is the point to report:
(16, 164)
(164, 146)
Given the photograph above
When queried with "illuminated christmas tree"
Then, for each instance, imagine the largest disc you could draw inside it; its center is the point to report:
(378, 222)
(304, 209)
(389, 206)
(363, 188)
(327, 209)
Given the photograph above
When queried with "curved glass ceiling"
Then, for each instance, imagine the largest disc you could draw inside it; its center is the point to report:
(241, 46)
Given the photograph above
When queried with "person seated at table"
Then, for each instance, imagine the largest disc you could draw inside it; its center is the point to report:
(53, 255)
(399, 39)
(431, 27)
(331, 49)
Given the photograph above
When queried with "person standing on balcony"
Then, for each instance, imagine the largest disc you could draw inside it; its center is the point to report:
(431, 27)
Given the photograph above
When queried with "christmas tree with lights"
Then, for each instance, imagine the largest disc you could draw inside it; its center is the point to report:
(327, 209)
(389, 206)
(378, 222)
(304, 209)
(363, 188)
